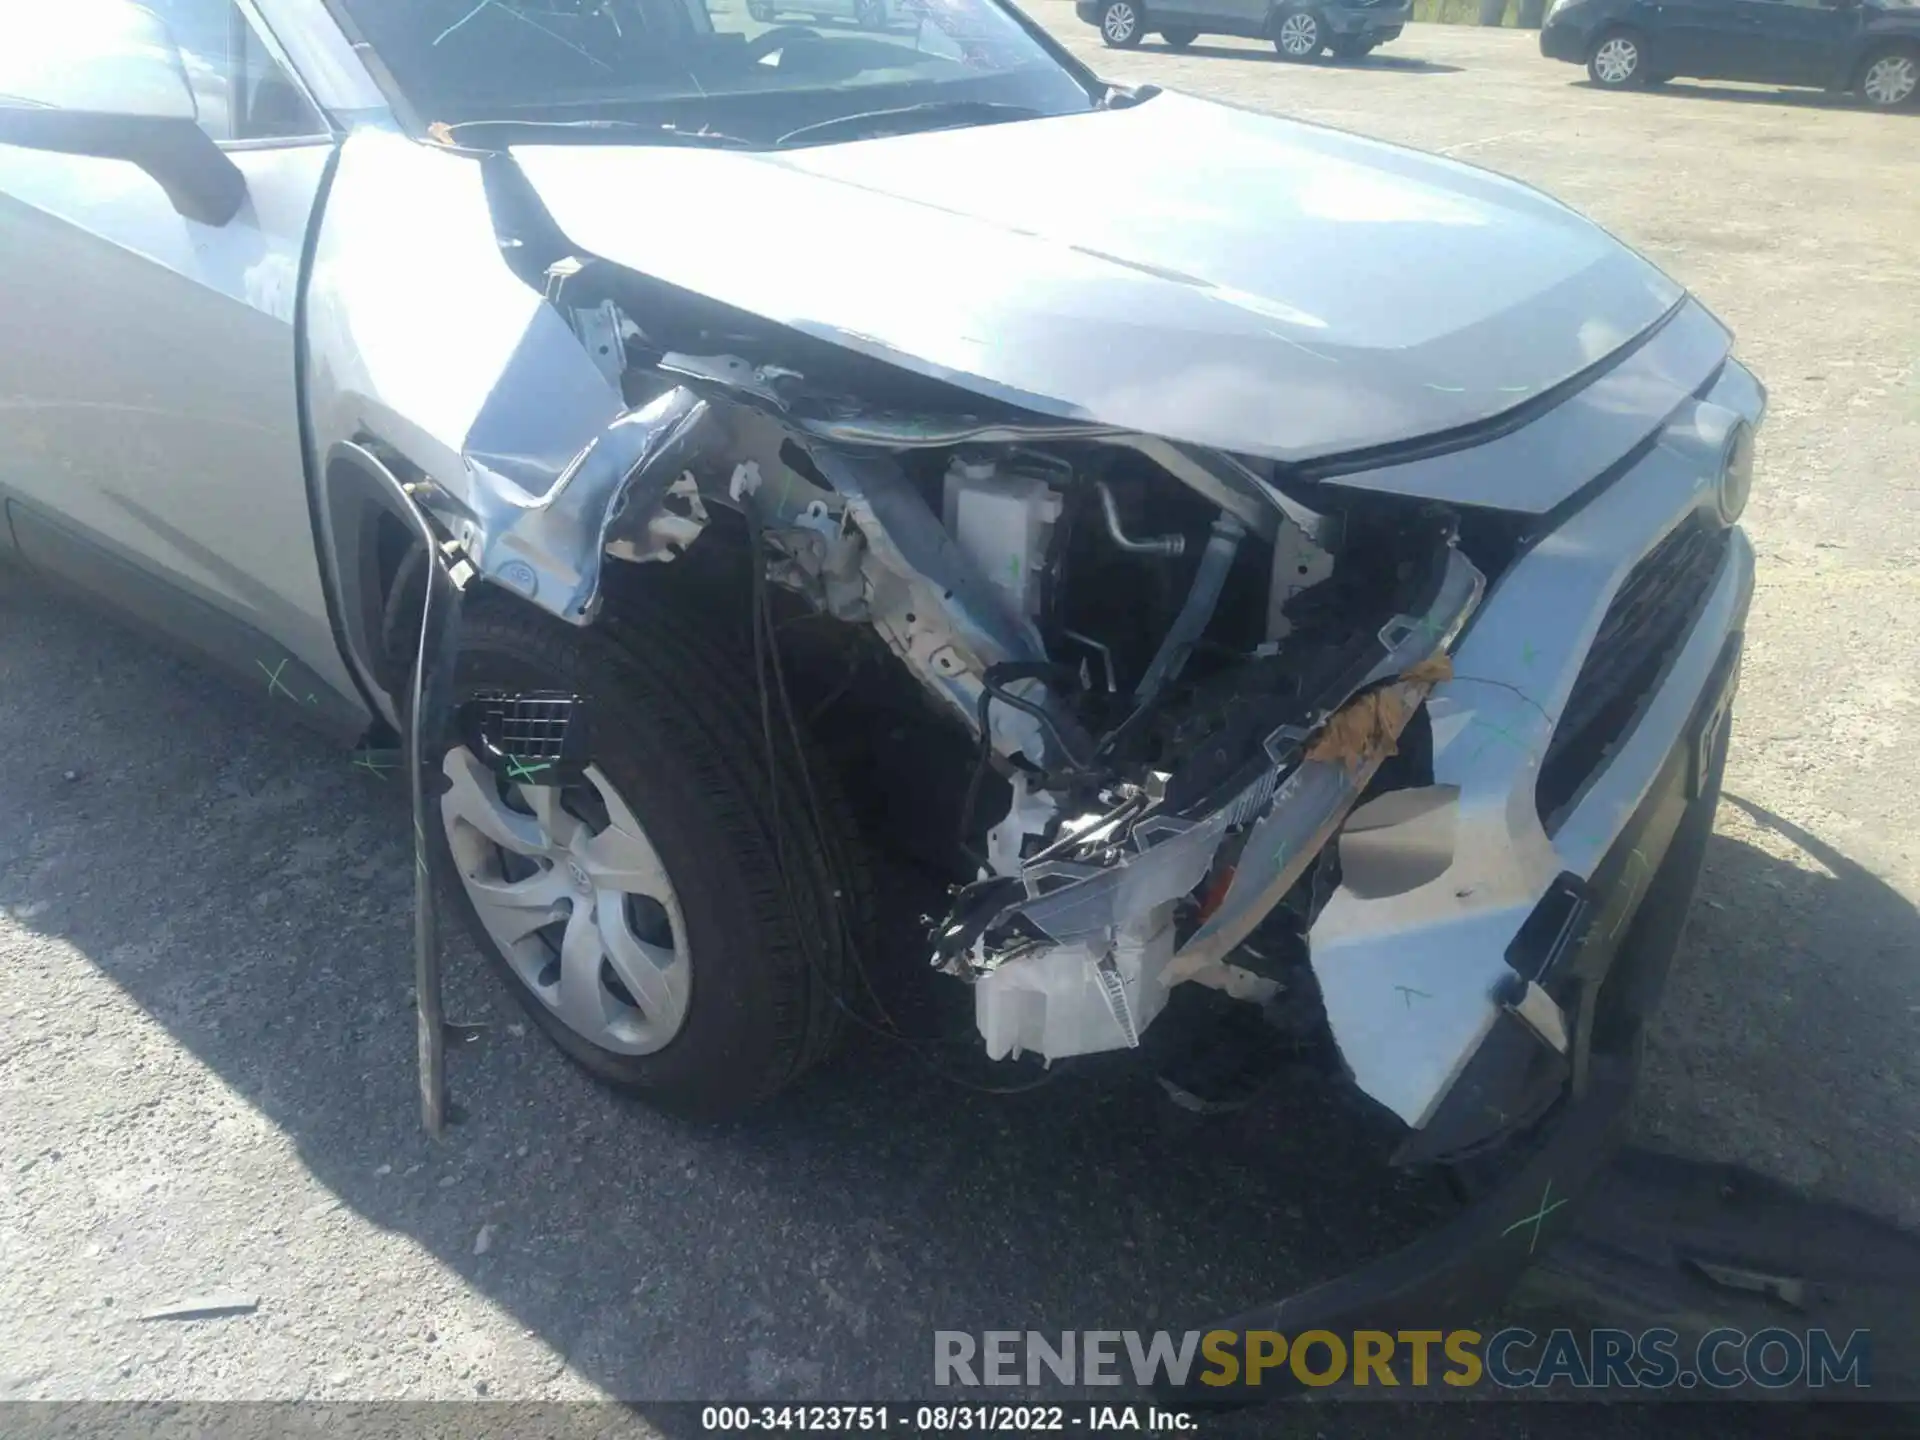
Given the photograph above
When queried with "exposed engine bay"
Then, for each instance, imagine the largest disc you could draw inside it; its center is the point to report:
(1138, 685)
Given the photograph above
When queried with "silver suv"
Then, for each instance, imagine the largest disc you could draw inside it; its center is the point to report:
(782, 479)
(1301, 30)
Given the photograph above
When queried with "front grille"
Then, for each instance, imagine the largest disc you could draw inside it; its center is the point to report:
(1650, 618)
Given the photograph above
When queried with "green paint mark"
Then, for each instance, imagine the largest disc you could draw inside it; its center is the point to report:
(273, 679)
(1528, 654)
(375, 761)
(1500, 730)
(1537, 1218)
(525, 770)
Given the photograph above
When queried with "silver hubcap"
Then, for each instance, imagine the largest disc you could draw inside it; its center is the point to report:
(1120, 22)
(1891, 80)
(1616, 60)
(1299, 35)
(580, 907)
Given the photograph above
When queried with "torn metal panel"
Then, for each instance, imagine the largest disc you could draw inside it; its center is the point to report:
(550, 550)
(421, 339)
(1084, 909)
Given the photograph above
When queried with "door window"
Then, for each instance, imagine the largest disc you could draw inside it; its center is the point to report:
(242, 91)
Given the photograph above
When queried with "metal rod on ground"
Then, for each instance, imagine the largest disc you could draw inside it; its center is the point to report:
(432, 686)
(430, 1015)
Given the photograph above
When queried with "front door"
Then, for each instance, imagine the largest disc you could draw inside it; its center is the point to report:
(1695, 37)
(147, 375)
(1793, 42)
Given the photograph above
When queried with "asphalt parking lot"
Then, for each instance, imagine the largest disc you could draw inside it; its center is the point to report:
(205, 1032)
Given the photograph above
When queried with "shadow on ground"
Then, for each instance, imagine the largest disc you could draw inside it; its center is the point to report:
(249, 890)
(1741, 95)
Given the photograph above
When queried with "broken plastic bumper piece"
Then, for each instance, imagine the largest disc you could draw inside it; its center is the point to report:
(1105, 952)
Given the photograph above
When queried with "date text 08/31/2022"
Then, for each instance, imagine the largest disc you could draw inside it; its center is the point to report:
(942, 1419)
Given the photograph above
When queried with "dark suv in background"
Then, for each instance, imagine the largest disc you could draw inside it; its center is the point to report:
(1300, 31)
(1870, 47)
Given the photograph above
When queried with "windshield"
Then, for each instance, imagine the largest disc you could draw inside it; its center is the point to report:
(752, 71)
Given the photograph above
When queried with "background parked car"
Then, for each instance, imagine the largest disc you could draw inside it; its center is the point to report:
(1871, 47)
(1300, 32)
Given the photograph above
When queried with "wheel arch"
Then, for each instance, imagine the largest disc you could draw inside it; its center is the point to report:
(366, 534)
(1608, 29)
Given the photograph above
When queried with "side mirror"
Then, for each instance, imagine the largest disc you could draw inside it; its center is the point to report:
(103, 78)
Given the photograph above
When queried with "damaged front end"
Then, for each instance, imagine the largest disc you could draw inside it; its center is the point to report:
(1115, 692)
(1173, 681)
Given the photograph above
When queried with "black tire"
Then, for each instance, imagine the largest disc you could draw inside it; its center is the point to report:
(1618, 60)
(1350, 47)
(770, 962)
(1122, 23)
(1299, 34)
(1180, 37)
(1905, 62)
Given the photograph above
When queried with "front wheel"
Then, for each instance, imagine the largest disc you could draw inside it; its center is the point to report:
(1619, 61)
(1298, 35)
(1891, 79)
(676, 919)
(1120, 24)
(1180, 37)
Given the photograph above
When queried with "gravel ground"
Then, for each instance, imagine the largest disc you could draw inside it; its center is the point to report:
(205, 1036)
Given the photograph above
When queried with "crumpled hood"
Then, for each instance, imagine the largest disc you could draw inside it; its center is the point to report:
(1178, 268)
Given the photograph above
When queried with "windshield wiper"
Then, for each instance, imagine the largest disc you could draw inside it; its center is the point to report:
(653, 133)
(942, 114)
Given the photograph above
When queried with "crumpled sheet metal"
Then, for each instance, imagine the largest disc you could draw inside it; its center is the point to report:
(422, 339)
(1295, 824)
(551, 550)
(1369, 726)
(1305, 813)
